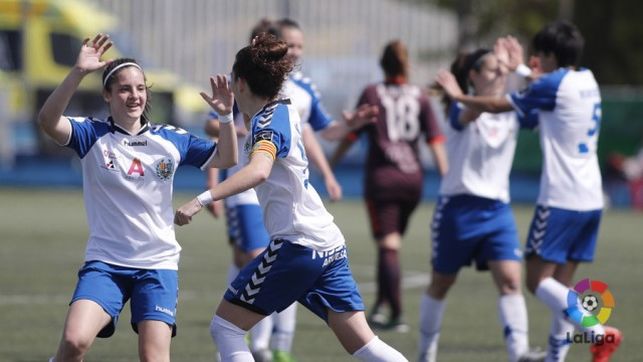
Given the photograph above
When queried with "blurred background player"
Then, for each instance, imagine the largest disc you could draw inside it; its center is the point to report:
(306, 260)
(565, 102)
(128, 167)
(473, 220)
(393, 181)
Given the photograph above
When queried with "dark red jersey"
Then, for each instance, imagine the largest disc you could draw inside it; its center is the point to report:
(393, 168)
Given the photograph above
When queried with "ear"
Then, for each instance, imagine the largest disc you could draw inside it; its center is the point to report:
(107, 96)
(241, 84)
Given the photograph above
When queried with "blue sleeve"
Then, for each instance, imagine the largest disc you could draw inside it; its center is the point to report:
(319, 118)
(540, 95)
(529, 120)
(84, 133)
(274, 127)
(455, 110)
(194, 151)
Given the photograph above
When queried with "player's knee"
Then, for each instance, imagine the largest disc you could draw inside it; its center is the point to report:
(532, 284)
(150, 353)
(75, 344)
(439, 287)
(222, 330)
(509, 285)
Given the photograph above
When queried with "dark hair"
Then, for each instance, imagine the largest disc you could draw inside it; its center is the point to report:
(107, 82)
(263, 65)
(561, 38)
(395, 59)
(265, 25)
(462, 65)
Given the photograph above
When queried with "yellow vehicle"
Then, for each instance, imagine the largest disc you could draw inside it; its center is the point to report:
(39, 42)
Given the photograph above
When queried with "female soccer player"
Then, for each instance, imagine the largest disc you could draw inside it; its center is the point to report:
(306, 260)
(128, 166)
(565, 101)
(393, 181)
(473, 220)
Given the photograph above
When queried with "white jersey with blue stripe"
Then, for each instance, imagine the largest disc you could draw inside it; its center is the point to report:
(304, 97)
(567, 105)
(292, 208)
(127, 189)
(480, 155)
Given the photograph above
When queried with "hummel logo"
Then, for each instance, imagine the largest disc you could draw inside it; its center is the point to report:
(259, 276)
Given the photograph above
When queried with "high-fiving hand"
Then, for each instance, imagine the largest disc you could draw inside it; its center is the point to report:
(222, 98)
(448, 82)
(90, 53)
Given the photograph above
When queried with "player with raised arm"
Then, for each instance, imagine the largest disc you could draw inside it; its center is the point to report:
(473, 220)
(128, 165)
(565, 101)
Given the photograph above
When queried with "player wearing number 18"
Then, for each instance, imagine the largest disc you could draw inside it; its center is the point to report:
(565, 101)
(393, 180)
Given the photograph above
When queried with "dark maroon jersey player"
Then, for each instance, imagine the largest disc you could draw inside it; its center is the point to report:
(393, 169)
(393, 180)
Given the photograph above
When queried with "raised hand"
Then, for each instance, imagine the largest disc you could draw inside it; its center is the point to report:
(448, 82)
(222, 98)
(514, 51)
(90, 53)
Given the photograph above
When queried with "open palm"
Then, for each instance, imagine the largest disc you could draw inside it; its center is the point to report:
(222, 98)
(91, 51)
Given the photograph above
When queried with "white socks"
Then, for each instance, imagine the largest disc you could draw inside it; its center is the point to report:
(284, 328)
(558, 345)
(229, 340)
(260, 334)
(512, 311)
(378, 351)
(431, 313)
(554, 295)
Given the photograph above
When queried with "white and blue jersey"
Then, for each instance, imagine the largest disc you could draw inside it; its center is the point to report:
(306, 259)
(481, 154)
(127, 188)
(306, 100)
(292, 208)
(567, 106)
(473, 220)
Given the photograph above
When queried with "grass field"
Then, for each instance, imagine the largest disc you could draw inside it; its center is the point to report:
(43, 234)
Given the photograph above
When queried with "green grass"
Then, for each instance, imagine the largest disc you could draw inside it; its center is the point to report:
(43, 243)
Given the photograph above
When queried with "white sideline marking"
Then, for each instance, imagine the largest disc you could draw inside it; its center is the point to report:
(411, 280)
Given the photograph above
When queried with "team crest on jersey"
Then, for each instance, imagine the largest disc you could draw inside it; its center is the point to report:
(164, 169)
(110, 160)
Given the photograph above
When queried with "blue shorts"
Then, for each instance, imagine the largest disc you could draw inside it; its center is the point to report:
(154, 293)
(245, 227)
(559, 235)
(287, 272)
(467, 228)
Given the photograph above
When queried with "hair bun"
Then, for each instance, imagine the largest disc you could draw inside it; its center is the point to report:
(268, 48)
